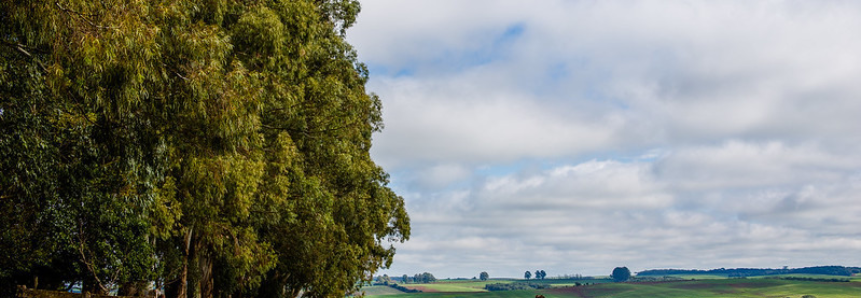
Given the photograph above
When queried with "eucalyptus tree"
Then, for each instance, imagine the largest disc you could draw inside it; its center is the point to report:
(218, 148)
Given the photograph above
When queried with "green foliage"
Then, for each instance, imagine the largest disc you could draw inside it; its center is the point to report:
(404, 289)
(484, 275)
(621, 274)
(515, 286)
(218, 147)
(425, 277)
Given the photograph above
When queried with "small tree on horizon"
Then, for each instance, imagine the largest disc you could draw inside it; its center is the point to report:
(484, 275)
(527, 275)
(621, 274)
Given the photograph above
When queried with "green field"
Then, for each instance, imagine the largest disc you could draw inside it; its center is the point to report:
(754, 287)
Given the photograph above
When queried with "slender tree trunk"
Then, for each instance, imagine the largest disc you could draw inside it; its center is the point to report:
(182, 286)
(206, 280)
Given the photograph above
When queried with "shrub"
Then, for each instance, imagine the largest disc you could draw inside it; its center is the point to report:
(514, 286)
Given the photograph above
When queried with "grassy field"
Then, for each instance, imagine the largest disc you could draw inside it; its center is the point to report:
(754, 287)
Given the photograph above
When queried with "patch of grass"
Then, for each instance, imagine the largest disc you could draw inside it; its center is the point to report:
(714, 288)
(380, 291)
(455, 286)
(502, 294)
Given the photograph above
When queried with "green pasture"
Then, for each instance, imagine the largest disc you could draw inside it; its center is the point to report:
(701, 288)
(453, 287)
(380, 291)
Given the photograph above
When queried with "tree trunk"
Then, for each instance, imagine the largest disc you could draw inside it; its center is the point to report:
(179, 287)
(206, 280)
(134, 288)
(91, 285)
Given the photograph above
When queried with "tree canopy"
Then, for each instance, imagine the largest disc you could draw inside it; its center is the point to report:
(621, 274)
(215, 148)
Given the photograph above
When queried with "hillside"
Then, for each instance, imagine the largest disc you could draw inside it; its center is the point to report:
(746, 272)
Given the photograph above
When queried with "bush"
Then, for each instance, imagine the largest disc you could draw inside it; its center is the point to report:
(515, 286)
(405, 289)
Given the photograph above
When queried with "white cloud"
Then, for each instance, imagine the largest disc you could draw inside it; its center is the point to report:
(575, 136)
(736, 164)
(448, 121)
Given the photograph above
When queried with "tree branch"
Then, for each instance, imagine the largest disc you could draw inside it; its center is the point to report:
(82, 16)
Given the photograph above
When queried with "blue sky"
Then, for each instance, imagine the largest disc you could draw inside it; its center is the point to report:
(577, 136)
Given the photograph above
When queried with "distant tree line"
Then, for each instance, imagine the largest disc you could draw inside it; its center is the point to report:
(655, 278)
(404, 289)
(383, 280)
(539, 274)
(572, 276)
(744, 272)
(419, 278)
(515, 286)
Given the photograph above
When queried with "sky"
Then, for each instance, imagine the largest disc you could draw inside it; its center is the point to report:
(579, 136)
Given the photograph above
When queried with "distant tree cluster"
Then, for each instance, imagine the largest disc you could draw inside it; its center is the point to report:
(383, 280)
(419, 278)
(655, 278)
(621, 274)
(515, 286)
(539, 274)
(574, 276)
(484, 275)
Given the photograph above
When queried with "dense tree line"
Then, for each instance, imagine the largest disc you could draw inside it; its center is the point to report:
(743, 272)
(211, 148)
(404, 289)
(515, 286)
(423, 278)
(575, 276)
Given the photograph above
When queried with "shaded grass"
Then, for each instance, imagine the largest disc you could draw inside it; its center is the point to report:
(380, 291)
(455, 286)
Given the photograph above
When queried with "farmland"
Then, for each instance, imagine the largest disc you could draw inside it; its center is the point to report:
(723, 287)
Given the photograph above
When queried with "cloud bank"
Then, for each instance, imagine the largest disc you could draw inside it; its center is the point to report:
(576, 136)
